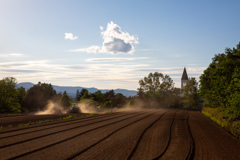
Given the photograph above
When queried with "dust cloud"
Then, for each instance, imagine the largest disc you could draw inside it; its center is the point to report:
(87, 106)
(52, 108)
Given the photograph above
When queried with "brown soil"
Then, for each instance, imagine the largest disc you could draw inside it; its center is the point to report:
(143, 134)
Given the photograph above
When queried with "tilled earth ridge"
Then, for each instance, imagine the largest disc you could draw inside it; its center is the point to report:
(141, 134)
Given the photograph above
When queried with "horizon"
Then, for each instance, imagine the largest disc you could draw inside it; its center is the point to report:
(109, 45)
(81, 86)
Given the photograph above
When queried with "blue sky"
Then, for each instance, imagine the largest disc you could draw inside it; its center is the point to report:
(110, 44)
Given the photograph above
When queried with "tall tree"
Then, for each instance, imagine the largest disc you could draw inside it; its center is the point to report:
(38, 96)
(9, 101)
(156, 87)
(109, 95)
(65, 101)
(78, 96)
(191, 98)
(21, 94)
(216, 79)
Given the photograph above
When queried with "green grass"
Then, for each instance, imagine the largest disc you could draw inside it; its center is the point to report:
(6, 127)
(49, 120)
(218, 115)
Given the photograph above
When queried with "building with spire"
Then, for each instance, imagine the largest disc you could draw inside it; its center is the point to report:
(184, 78)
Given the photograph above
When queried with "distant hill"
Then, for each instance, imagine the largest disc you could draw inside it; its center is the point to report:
(71, 91)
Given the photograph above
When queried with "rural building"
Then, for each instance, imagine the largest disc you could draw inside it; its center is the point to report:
(184, 78)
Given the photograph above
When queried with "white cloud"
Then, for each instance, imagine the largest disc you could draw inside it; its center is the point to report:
(70, 36)
(113, 59)
(11, 55)
(115, 41)
(92, 49)
(101, 28)
(108, 59)
(97, 74)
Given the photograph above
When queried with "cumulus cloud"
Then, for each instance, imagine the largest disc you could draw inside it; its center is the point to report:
(115, 41)
(70, 36)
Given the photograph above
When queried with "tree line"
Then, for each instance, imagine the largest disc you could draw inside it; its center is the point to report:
(157, 90)
(220, 83)
(14, 99)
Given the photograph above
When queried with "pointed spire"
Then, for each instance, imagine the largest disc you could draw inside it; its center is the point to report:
(184, 75)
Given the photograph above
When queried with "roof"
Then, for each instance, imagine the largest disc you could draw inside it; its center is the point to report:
(184, 75)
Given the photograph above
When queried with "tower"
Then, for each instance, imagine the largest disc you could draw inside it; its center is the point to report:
(184, 78)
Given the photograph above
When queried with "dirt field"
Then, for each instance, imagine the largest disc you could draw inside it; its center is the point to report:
(142, 134)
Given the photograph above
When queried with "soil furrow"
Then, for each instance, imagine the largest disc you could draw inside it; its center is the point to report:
(48, 134)
(140, 138)
(191, 152)
(211, 140)
(121, 142)
(139, 134)
(169, 139)
(52, 143)
(154, 139)
(56, 125)
(85, 141)
(50, 123)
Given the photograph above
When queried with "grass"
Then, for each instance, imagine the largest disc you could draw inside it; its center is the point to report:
(218, 115)
(49, 120)
(6, 127)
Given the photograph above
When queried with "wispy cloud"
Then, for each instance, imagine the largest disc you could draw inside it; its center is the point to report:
(92, 49)
(70, 36)
(113, 59)
(11, 55)
(115, 41)
(100, 75)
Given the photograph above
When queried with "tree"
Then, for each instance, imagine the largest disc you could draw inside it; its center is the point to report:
(9, 101)
(65, 101)
(82, 92)
(191, 98)
(38, 96)
(98, 96)
(119, 100)
(21, 94)
(156, 88)
(86, 95)
(78, 96)
(108, 104)
(216, 79)
(234, 96)
(109, 95)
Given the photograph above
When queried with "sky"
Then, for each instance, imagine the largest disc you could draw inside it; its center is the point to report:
(112, 44)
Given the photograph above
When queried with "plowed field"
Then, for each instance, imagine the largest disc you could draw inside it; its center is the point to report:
(143, 134)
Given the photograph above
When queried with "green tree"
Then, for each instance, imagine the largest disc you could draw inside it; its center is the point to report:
(216, 79)
(38, 96)
(234, 96)
(119, 100)
(9, 101)
(191, 98)
(109, 95)
(108, 104)
(86, 95)
(65, 101)
(21, 94)
(156, 88)
(78, 95)
(98, 96)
